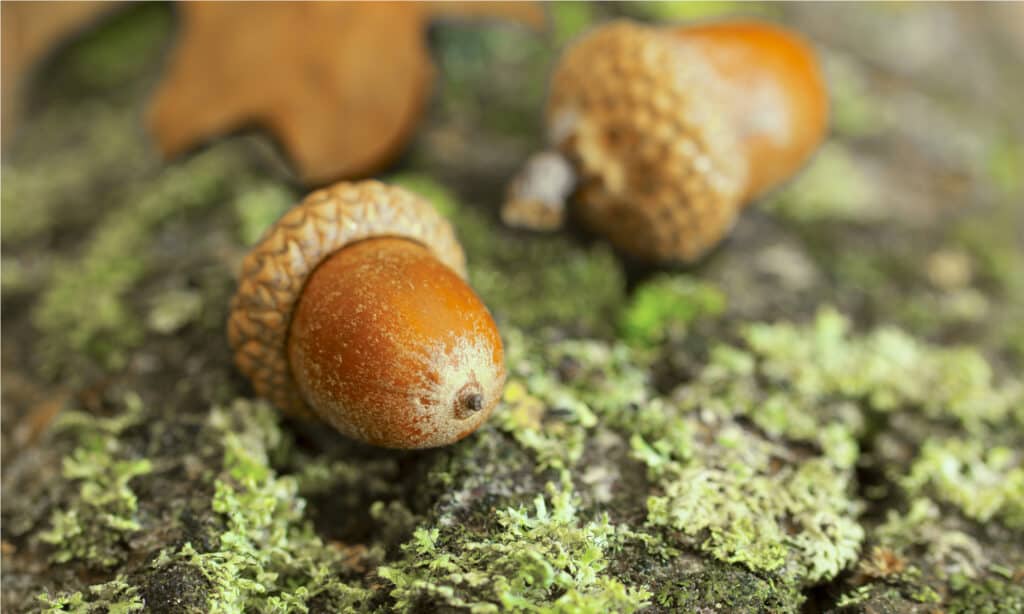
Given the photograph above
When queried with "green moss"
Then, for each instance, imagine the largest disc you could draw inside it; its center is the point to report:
(544, 559)
(989, 596)
(984, 481)
(97, 144)
(1005, 159)
(93, 525)
(174, 309)
(269, 558)
(433, 191)
(666, 305)
(114, 597)
(854, 112)
(730, 589)
(570, 19)
(689, 11)
(112, 262)
(120, 50)
(834, 186)
(259, 206)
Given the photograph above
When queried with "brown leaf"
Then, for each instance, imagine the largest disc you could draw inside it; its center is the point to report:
(341, 85)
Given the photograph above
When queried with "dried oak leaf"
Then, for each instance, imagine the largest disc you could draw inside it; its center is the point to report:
(341, 85)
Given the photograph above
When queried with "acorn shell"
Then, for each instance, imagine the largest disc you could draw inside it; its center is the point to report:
(275, 271)
(776, 94)
(392, 348)
(661, 172)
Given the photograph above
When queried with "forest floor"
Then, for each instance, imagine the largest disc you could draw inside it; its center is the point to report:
(826, 414)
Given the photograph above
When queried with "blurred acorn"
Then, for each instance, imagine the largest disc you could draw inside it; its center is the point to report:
(661, 135)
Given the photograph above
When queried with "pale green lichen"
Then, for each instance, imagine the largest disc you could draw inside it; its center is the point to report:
(887, 370)
(269, 558)
(114, 597)
(743, 503)
(985, 482)
(544, 559)
(95, 522)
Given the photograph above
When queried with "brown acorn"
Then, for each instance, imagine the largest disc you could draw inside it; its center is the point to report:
(354, 307)
(661, 135)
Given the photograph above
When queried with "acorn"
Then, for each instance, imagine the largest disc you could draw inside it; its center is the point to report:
(660, 135)
(354, 308)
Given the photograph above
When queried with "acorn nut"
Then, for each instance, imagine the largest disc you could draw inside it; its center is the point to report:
(353, 307)
(667, 132)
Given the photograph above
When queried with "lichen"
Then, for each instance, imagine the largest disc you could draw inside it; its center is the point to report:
(985, 482)
(94, 523)
(544, 559)
(114, 597)
(269, 558)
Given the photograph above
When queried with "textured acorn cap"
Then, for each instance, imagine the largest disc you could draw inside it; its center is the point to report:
(275, 271)
(660, 170)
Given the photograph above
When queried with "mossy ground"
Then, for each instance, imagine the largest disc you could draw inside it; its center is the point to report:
(825, 415)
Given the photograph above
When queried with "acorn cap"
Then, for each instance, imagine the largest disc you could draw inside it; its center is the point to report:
(275, 271)
(660, 171)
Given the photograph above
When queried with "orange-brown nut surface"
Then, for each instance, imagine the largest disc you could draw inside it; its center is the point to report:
(392, 348)
(275, 271)
(671, 131)
(777, 99)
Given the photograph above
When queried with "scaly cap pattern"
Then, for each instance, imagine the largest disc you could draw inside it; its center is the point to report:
(661, 173)
(275, 271)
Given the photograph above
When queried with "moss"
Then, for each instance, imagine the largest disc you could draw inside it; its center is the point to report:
(544, 559)
(257, 207)
(56, 189)
(174, 309)
(570, 19)
(95, 523)
(269, 558)
(990, 596)
(728, 588)
(1005, 158)
(112, 262)
(121, 49)
(441, 197)
(985, 482)
(854, 112)
(689, 11)
(114, 597)
(666, 305)
(835, 186)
